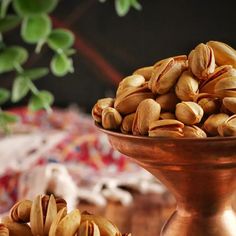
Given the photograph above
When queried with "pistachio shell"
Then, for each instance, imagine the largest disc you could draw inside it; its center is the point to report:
(228, 127)
(146, 72)
(100, 106)
(88, 228)
(212, 123)
(208, 86)
(230, 103)
(209, 103)
(202, 61)
(20, 212)
(126, 126)
(148, 110)
(106, 228)
(186, 87)
(61, 203)
(189, 113)
(129, 100)
(167, 101)
(226, 87)
(111, 118)
(193, 132)
(224, 54)
(130, 81)
(166, 74)
(4, 230)
(166, 128)
(167, 115)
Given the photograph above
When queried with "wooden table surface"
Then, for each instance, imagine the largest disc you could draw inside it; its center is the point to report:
(144, 217)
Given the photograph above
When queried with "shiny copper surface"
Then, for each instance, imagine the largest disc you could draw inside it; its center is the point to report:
(201, 173)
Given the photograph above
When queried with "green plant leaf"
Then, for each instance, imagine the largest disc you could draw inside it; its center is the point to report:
(8, 117)
(70, 51)
(12, 56)
(35, 73)
(9, 22)
(135, 4)
(34, 7)
(41, 100)
(122, 7)
(36, 28)
(3, 7)
(20, 88)
(4, 95)
(61, 65)
(60, 39)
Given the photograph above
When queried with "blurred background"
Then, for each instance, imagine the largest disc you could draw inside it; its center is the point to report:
(110, 47)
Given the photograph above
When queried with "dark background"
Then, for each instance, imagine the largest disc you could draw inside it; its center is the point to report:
(109, 47)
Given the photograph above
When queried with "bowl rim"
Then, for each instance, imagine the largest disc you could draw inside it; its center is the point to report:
(165, 139)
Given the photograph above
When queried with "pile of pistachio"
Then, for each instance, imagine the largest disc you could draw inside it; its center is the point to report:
(181, 96)
(48, 216)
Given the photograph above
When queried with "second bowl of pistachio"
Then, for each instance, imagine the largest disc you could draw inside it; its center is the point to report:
(184, 96)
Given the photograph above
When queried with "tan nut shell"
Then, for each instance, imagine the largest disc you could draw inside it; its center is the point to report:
(226, 87)
(129, 100)
(212, 123)
(147, 111)
(165, 76)
(88, 228)
(193, 132)
(166, 128)
(111, 118)
(186, 87)
(100, 106)
(20, 212)
(189, 113)
(106, 228)
(130, 81)
(228, 127)
(4, 230)
(146, 72)
(224, 54)
(202, 61)
(167, 115)
(208, 86)
(167, 101)
(230, 103)
(127, 123)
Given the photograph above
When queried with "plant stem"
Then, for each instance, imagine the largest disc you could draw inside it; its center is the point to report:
(33, 88)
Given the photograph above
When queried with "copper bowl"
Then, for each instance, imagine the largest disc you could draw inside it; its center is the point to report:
(199, 172)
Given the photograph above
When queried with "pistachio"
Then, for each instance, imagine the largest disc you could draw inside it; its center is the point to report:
(129, 100)
(176, 58)
(212, 123)
(4, 230)
(228, 127)
(226, 87)
(230, 103)
(167, 115)
(126, 125)
(20, 212)
(209, 102)
(189, 113)
(208, 86)
(61, 203)
(65, 224)
(100, 106)
(130, 81)
(193, 132)
(111, 118)
(224, 54)
(148, 110)
(43, 211)
(16, 229)
(167, 101)
(202, 61)
(146, 72)
(166, 128)
(186, 87)
(165, 75)
(106, 228)
(88, 228)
